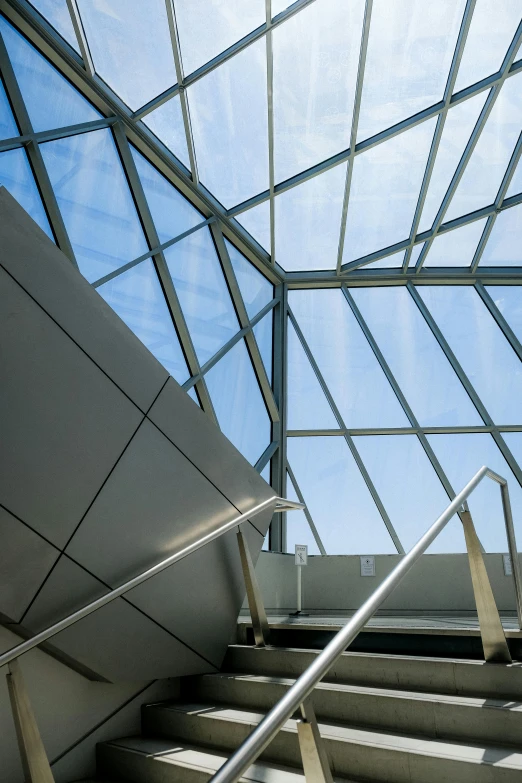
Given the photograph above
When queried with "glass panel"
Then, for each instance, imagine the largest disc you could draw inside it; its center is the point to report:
(390, 262)
(308, 408)
(493, 25)
(515, 186)
(508, 299)
(229, 114)
(257, 223)
(504, 244)
(415, 504)
(345, 359)
(8, 128)
(265, 474)
(339, 501)
(130, 47)
(192, 393)
(456, 248)
(166, 123)
(485, 355)
(255, 289)
(95, 202)
(206, 27)
(316, 54)
(415, 253)
(280, 5)
(415, 358)
(16, 176)
(461, 456)
(136, 296)
(171, 212)
(203, 293)
(51, 101)
(263, 332)
(57, 14)
(385, 189)
(409, 55)
(308, 222)
(485, 170)
(238, 403)
(514, 444)
(459, 124)
(297, 528)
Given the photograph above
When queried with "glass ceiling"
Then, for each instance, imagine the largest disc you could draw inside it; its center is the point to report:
(366, 154)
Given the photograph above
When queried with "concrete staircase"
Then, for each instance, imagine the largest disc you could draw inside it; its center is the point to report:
(384, 718)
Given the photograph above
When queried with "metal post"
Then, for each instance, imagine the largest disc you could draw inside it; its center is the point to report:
(32, 752)
(313, 752)
(491, 630)
(255, 601)
(299, 589)
(512, 545)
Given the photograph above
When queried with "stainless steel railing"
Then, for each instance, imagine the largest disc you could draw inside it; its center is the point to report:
(313, 753)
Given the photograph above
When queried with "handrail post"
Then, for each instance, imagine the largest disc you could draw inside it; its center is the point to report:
(512, 546)
(255, 601)
(35, 763)
(313, 752)
(491, 630)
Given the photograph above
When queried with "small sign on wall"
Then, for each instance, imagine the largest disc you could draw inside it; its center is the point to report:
(301, 554)
(367, 565)
(508, 570)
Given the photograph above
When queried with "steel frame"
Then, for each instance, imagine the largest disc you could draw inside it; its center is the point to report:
(127, 128)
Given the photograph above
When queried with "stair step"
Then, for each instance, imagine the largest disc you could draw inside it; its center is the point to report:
(411, 673)
(354, 752)
(440, 716)
(139, 760)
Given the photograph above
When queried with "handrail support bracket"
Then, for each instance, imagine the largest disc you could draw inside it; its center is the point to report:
(313, 751)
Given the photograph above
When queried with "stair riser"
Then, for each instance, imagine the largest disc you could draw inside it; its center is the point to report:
(349, 759)
(437, 720)
(465, 678)
(122, 764)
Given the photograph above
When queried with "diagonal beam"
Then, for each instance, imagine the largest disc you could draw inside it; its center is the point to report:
(81, 37)
(499, 318)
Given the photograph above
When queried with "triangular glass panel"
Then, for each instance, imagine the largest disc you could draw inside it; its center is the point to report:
(172, 213)
(415, 358)
(257, 223)
(263, 332)
(312, 124)
(504, 246)
(385, 189)
(206, 27)
(337, 497)
(193, 394)
(308, 407)
(508, 299)
(514, 443)
(460, 121)
(346, 361)
(229, 115)
(298, 530)
(412, 505)
(280, 5)
(483, 174)
(16, 176)
(130, 47)
(136, 296)
(203, 294)
(238, 403)
(8, 127)
(390, 262)
(255, 289)
(493, 26)
(51, 101)
(415, 254)
(95, 202)
(515, 186)
(265, 473)
(457, 247)
(166, 122)
(308, 222)
(398, 81)
(57, 14)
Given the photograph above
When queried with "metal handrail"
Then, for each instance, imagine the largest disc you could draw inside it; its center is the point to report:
(299, 693)
(281, 504)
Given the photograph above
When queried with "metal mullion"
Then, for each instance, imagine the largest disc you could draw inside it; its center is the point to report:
(351, 445)
(500, 320)
(34, 155)
(266, 456)
(81, 37)
(450, 430)
(470, 146)
(448, 91)
(365, 34)
(58, 133)
(437, 467)
(307, 513)
(245, 324)
(278, 475)
(270, 118)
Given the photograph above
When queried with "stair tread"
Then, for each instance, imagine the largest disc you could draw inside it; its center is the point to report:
(469, 752)
(471, 701)
(181, 754)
